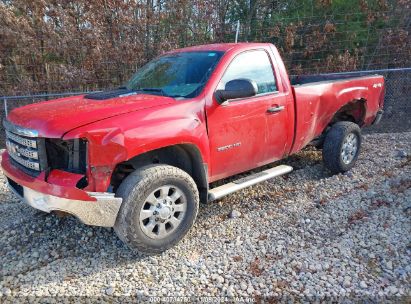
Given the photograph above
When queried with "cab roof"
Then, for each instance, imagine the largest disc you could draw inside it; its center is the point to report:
(221, 47)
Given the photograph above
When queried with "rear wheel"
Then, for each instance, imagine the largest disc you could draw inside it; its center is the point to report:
(342, 146)
(160, 204)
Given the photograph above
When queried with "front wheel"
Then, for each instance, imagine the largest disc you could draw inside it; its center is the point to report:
(160, 204)
(342, 146)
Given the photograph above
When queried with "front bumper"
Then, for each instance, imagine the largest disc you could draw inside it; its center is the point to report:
(91, 208)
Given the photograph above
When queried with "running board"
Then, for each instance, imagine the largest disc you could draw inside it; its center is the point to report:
(247, 181)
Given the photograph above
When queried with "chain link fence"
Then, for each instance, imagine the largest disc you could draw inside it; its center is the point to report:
(397, 105)
(47, 50)
(397, 117)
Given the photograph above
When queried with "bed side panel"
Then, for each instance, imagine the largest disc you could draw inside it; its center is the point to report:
(317, 103)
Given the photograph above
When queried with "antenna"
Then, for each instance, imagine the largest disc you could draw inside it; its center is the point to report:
(238, 30)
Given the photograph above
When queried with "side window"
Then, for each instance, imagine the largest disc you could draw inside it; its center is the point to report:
(253, 65)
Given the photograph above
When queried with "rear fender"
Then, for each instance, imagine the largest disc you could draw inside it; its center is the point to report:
(348, 95)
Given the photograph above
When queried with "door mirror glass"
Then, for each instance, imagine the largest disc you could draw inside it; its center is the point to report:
(237, 88)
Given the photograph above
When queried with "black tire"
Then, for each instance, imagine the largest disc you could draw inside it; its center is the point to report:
(136, 189)
(333, 146)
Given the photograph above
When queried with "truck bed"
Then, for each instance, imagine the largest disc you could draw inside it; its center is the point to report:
(319, 97)
(298, 80)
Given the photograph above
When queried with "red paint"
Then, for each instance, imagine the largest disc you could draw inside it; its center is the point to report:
(121, 128)
(39, 184)
(317, 104)
(63, 178)
(53, 118)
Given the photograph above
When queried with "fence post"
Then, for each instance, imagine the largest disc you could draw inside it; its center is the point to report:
(5, 107)
(237, 31)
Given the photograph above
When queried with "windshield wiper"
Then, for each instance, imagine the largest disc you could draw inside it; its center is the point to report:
(177, 96)
(158, 90)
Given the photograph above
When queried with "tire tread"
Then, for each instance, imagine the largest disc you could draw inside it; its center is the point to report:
(332, 146)
(141, 181)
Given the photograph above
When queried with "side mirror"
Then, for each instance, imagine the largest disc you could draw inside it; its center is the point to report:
(237, 88)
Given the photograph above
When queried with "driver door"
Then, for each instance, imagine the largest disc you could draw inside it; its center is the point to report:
(238, 128)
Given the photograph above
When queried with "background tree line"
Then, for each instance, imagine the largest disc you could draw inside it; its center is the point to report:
(60, 45)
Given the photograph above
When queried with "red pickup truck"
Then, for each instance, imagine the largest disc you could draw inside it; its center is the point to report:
(141, 157)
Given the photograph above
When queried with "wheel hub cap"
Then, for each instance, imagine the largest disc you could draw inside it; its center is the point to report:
(349, 148)
(162, 212)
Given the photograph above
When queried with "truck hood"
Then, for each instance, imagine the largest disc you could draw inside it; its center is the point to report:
(52, 119)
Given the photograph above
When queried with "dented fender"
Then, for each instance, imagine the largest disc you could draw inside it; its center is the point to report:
(118, 139)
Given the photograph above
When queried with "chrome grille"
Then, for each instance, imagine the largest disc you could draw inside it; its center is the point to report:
(26, 163)
(30, 143)
(23, 150)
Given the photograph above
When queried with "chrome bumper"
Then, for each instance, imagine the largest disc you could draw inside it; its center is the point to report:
(102, 212)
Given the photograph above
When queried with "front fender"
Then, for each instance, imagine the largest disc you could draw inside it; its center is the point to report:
(121, 138)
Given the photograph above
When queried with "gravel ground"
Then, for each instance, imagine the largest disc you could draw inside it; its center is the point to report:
(305, 234)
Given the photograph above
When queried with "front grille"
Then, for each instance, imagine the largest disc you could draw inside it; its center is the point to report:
(25, 152)
(28, 142)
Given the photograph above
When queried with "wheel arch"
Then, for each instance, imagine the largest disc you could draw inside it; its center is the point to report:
(186, 157)
(354, 111)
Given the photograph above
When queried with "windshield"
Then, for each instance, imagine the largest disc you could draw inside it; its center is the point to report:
(176, 75)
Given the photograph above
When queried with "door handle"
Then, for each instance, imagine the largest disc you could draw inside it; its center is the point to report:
(275, 109)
